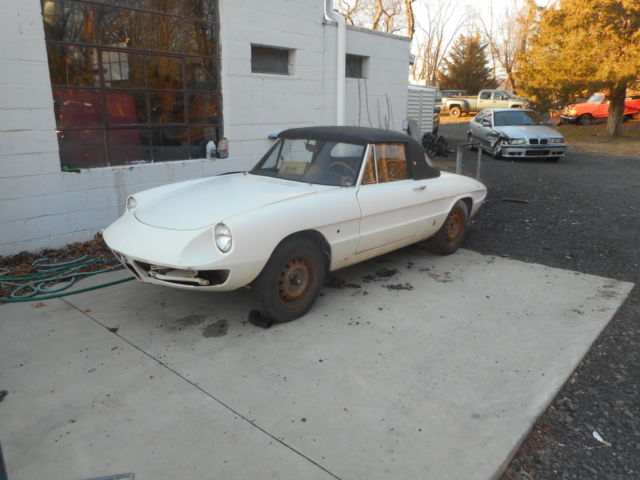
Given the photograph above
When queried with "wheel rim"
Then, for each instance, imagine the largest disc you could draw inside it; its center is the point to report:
(496, 148)
(295, 281)
(455, 112)
(454, 226)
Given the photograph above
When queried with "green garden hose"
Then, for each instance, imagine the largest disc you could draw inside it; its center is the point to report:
(51, 280)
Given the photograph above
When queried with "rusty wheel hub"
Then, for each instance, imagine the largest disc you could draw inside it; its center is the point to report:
(454, 226)
(294, 281)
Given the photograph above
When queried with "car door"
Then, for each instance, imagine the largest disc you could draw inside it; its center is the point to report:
(393, 205)
(484, 100)
(475, 127)
(485, 130)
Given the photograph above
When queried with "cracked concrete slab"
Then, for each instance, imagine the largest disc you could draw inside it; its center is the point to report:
(437, 370)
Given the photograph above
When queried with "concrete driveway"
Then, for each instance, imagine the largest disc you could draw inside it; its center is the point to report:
(437, 371)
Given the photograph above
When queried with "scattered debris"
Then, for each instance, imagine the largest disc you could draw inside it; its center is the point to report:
(386, 272)
(515, 200)
(335, 282)
(117, 476)
(399, 286)
(257, 319)
(3, 394)
(113, 329)
(597, 436)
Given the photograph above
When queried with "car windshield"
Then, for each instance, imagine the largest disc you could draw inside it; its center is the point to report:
(312, 161)
(516, 117)
(596, 98)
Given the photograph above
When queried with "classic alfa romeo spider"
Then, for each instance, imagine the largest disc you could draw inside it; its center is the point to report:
(320, 199)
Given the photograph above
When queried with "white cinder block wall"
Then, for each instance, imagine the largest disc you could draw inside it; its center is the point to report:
(43, 207)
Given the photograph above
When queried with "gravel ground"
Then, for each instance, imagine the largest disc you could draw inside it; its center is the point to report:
(581, 214)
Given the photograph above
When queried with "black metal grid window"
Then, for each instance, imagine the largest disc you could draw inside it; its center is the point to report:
(134, 81)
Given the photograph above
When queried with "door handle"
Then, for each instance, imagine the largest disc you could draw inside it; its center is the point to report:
(417, 189)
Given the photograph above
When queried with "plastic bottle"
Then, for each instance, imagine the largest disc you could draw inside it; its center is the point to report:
(210, 150)
(223, 148)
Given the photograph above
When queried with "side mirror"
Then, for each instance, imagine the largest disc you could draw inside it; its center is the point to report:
(486, 123)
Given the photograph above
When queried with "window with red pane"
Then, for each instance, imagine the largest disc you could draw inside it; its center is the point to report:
(133, 81)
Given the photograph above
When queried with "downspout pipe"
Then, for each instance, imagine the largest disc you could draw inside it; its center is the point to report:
(331, 15)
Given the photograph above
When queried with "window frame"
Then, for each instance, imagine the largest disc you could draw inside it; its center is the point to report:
(190, 93)
(290, 53)
(363, 65)
(370, 155)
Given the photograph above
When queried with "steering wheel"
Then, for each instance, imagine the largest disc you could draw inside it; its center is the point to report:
(344, 165)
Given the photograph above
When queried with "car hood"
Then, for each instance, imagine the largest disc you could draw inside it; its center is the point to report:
(526, 131)
(191, 206)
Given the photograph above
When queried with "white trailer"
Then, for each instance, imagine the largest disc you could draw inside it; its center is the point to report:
(421, 107)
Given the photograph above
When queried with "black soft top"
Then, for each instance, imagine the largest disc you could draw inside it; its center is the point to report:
(420, 169)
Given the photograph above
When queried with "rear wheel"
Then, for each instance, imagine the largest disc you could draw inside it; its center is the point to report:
(453, 230)
(585, 119)
(289, 284)
(455, 111)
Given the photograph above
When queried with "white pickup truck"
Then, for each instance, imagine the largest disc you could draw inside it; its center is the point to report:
(489, 98)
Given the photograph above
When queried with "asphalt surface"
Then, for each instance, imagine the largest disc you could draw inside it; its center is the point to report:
(581, 214)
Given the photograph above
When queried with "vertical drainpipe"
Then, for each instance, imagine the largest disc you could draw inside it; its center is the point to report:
(341, 53)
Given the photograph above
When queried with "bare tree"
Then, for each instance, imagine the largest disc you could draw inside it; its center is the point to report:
(390, 16)
(433, 38)
(349, 10)
(507, 32)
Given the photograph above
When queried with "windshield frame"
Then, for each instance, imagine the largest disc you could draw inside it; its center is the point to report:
(596, 98)
(529, 113)
(279, 145)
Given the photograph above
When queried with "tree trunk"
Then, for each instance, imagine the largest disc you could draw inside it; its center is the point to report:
(616, 110)
(408, 9)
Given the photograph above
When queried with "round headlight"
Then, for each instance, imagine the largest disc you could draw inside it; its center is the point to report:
(131, 203)
(222, 235)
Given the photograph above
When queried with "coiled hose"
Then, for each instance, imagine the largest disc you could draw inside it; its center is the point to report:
(51, 280)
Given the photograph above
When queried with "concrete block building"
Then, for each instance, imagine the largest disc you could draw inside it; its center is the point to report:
(103, 98)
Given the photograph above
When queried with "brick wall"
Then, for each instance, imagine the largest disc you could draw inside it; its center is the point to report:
(42, 207)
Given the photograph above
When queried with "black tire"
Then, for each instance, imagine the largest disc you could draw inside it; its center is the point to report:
(497, 148)
(450, 236)
(585, 119)
(455, 111)
(290, 282)
(470, 139)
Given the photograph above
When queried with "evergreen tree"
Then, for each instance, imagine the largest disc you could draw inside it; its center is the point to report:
(466, 67)
(582, 46)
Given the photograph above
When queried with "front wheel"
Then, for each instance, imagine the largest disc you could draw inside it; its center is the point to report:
(585, 119)
(290, 282)
(470, 140)
(497, 148)
(450, 236)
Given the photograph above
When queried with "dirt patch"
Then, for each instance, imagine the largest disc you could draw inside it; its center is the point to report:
(399, 286)
(387, 272)
(592, 139)
(216, 329)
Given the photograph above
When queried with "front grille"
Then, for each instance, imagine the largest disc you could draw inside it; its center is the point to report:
(544, 140)
(533, 141)
(213, 277)
(537, 153)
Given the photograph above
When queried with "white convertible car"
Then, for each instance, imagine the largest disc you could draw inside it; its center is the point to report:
(321, 198)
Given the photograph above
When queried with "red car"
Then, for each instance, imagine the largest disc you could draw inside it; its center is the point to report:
(597, 107)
